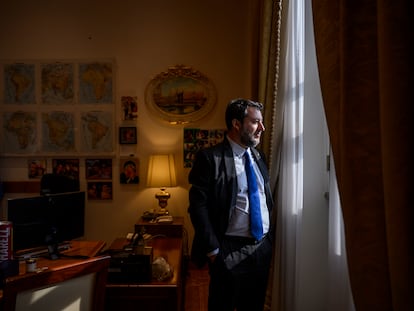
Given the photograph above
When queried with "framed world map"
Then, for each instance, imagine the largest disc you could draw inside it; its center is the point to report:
(57, 107)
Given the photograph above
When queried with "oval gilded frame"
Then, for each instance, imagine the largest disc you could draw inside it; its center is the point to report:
(180, 95)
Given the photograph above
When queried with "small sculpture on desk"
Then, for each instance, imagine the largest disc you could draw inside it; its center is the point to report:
(161, 269)
(52, 245)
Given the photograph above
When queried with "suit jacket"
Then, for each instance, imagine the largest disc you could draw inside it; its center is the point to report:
(212, 195)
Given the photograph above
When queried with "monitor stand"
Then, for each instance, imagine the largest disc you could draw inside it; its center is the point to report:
(42, 251)
(52, 245)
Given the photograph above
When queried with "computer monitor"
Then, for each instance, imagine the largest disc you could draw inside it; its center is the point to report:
(41, 220)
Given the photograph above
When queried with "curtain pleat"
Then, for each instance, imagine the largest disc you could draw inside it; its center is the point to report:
(364, 52)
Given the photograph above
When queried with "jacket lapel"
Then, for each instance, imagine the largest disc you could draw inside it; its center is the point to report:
(230, 171)
(261, 164)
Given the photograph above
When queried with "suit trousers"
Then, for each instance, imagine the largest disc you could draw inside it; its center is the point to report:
(239, 275)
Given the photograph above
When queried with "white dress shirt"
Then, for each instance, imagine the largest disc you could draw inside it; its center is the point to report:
(239, 217)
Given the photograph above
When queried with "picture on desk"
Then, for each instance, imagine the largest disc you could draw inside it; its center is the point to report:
(99, 190)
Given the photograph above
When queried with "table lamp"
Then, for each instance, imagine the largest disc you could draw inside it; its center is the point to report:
(161, 174)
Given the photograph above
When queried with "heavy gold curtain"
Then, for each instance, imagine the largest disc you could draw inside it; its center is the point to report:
(365, 59)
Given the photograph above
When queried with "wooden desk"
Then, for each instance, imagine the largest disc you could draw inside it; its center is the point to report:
(155, 295)
(54, 271)
(175, 229)
(78, 248)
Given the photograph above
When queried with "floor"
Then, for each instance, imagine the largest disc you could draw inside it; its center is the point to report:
(196, 289)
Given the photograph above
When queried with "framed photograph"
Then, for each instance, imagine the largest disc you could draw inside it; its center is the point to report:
(66, 167)
(196, 139)
(99, 190)
(129, 171)
(129, 108)
(36, 168)
(98, 169)
(128, 135)
(180, 95)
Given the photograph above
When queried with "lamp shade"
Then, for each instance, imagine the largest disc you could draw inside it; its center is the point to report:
(161, 171)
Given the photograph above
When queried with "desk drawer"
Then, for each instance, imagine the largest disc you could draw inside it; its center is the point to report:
(145, 298)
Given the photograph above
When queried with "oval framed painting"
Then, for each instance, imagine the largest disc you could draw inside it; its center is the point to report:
(180, 95)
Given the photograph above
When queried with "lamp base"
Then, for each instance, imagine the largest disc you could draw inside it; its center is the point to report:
(162, 198)
(163, 212)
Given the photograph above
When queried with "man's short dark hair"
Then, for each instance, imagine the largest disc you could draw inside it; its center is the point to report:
(237, 109)
(129, 163)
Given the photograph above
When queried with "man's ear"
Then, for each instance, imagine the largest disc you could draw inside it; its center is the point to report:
(236, 124)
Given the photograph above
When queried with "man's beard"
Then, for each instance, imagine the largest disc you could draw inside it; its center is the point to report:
(248, 139)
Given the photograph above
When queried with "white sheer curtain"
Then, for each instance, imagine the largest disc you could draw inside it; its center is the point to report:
(289, 194)
(339, 291)
(290, 189)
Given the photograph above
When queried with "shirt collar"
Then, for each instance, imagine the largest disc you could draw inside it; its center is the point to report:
(237, 149)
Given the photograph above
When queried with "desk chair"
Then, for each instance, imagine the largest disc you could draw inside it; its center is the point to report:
(77, 285)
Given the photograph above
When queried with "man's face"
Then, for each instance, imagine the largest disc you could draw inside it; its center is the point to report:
(130, 171)
(252, 127)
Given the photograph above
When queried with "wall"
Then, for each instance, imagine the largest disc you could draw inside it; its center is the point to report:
(145, 38)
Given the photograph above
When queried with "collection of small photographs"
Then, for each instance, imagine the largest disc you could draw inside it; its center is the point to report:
(98, 173)
(196, 139)
(128, 134)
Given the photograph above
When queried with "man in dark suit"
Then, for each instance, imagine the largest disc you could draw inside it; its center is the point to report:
(220, 208)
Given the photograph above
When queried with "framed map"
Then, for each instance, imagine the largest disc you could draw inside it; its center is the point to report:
(96, 131)
(57, 83)
(96, 83)
(68, 107)
(20, 132)
(19, 83)
(58, 131)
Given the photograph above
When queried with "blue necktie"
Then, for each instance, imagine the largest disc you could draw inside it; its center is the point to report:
(256, 227)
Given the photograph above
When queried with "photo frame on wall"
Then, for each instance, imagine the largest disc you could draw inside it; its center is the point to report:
(99, 190)
(129, 170)
(129, 108)
(127, 135)
(196, 139)
(98, 169)
(36, 168)
(66, 167)
(180, 95)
